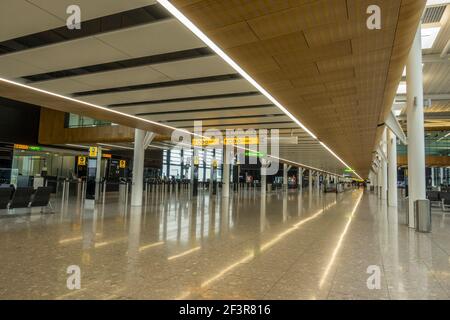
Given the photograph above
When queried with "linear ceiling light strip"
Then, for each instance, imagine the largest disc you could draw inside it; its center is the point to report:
(187, 23)
(142, 119)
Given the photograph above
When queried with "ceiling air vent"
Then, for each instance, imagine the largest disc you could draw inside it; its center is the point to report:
(433, 14)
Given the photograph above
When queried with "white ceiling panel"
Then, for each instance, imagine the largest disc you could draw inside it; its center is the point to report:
(140, 95)
(234, 121)
(62, 86)
(194, 68)
(90, 9)
(258, 126)
(222, 87)
(104, 80)
(243, 101)
(213, 114)
(143, 40)
(173, 92)
(42, 15)
(198, 104)
(172, 106)
(32, 20)
(66, 55)
(124, 77)
(10, 68)
(151, 39)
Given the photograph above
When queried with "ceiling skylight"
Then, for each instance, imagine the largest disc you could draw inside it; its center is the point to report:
(437, 2)
(429, 35)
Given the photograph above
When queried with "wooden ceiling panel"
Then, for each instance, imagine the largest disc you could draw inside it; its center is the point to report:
(298, 18)
(319, 59)
(297, 72)
(297, 57)
(233, 35)
(272, 46)
(373, 42)
(343, 74)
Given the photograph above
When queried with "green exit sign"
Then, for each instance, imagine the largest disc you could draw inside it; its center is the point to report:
(348, 170)
(254, 154)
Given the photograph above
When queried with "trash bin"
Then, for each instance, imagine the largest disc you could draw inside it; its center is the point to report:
(422, 210)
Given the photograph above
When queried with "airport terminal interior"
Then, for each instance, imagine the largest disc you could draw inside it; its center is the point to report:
(225, 149)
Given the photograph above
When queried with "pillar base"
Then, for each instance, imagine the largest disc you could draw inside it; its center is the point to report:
(89, 204)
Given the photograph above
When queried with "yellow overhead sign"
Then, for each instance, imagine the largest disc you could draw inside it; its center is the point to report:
(93, 152)
(226, 141)
(27, 147)
(81, 161)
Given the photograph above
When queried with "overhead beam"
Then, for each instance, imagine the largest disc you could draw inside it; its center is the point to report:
(20, 92)
(392, 123)
(435, 58)
(431, 116)
(435, 97)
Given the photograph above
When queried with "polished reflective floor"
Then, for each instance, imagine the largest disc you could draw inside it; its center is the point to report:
(289, 245)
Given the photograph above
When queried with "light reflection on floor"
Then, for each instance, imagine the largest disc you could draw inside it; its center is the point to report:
(289, 245)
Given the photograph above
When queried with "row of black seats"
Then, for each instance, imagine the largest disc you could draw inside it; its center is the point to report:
(439, 196)
(11, 198)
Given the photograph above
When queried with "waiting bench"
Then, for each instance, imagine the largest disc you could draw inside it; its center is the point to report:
(439, 199)
(25, 197)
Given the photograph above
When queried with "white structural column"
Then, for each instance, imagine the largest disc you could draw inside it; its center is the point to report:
(392, 168)
(285, 176)
(433, 184)
(318, 181)
(226, 172)
(263, 184)
(371, 179)
(310, 180)
(375, 180)
(263, 177)
(300, 179)
(384, 187)
(380, 178)
(384, 174)
(98, 173)
(138, 168)
(142, 140)
(415, 126)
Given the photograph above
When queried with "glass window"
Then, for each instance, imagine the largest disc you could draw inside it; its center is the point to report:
(175, 156)
(76, 121)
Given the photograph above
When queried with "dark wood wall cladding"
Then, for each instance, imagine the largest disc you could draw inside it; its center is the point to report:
(52, 131)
